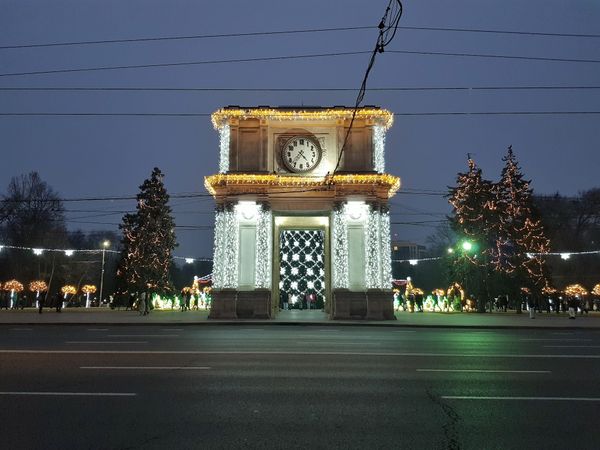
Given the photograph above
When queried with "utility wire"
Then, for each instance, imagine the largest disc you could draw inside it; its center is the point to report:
(374, 89)
(185, 63)
(291, 57)
(181, 38)
(438, 113)
(279, 32)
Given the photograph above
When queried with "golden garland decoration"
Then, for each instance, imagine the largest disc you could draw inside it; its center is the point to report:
(575, 289)
(222, 116)
(286, 181)
(88, 289)
(13, 285)
(38, 286)
(68, 289)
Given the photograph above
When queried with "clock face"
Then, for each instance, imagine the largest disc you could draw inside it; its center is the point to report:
(301, 154)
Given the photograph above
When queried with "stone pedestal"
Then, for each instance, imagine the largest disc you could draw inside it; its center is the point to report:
(254, 304)
(223, 304)
(375, 304)
(380, 304)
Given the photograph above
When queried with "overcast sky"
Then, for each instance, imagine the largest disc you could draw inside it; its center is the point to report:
(97, 156)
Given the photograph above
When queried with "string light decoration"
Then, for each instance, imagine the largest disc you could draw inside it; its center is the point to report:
(520, 237)
(264, 183)
(372, 249)
(223, 117)
(149, 238)
(68, 289)
(38, 286)
(13, 286)
(379, 148)
(339, 254)
(225, 263)
(573, 290)
(386, 245)
(224, 139)
(596, 290)
(88, 289)
(264, 254)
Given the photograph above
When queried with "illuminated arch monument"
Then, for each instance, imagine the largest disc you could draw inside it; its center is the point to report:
(285, 227)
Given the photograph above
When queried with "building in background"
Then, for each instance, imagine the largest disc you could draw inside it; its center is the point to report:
(297, 218)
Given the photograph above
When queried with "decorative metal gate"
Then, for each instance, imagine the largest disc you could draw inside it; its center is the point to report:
(302, 264)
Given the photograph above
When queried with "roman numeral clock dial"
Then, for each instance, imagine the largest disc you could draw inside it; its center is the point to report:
(301, 154)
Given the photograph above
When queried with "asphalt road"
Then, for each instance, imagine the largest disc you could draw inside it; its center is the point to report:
(167, 387)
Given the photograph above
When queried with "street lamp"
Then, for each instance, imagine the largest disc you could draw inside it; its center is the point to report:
(105, 245)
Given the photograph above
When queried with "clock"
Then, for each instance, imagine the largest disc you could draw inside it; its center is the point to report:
(301, 154)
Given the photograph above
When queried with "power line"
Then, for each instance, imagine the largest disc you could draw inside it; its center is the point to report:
(440, 113)
(290, 57)
(280, 32)
(374, 89)
(185, 63)
(485, 55)
(188, 37)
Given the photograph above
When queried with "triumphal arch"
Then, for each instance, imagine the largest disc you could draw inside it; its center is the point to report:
(299, 220)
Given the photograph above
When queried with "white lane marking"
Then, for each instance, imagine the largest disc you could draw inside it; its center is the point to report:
(572, 346)
(106, 342)
(142, 335)
(288, 353)
(483, 371)
(554, 339)
(20, 329)
(145, 368)
(564, 399)
(339, 343)
(97, 329)
(76, 394)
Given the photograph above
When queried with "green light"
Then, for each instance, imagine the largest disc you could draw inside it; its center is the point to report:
(467, 246)
(450, 250)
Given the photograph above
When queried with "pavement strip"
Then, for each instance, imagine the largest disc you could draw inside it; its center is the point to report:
(564, 399)
(483, 371)
(571, 346)
(106, 342)
(97, 329)
(555, 339)
(145, 368)
(141, 335)
(74, 394)
(21, 329)
(296, 353)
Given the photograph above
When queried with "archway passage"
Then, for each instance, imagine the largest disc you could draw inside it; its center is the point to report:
(302, 268)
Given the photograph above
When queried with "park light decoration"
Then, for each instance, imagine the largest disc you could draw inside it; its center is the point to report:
(225, 264)
(596, 290)
(13, 286)
(38, 251)
(69, 252)
(223, 116)
(38, 286)
(574, 290)
(549, 290)
(88, 289)
(68, 289)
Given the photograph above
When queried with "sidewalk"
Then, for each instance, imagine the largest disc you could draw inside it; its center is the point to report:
(105, 316)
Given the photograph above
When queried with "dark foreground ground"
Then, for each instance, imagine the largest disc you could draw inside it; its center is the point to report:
(164, 387)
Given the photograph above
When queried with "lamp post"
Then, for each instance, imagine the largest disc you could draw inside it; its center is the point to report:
(105, 245)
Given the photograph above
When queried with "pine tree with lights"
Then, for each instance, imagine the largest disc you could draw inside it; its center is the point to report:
(149, 239)
(475, 221)
(520, 232)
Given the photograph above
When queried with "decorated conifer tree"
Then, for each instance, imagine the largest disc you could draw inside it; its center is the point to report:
(520, 233)
(148, 239)
(474, 219)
